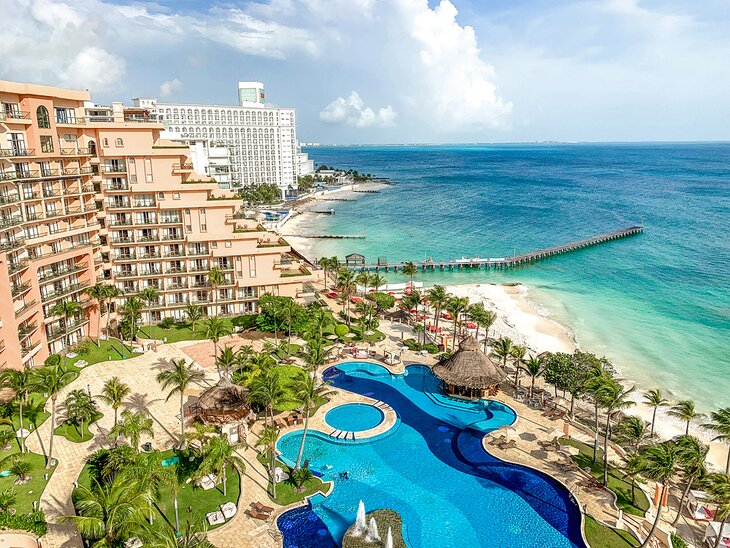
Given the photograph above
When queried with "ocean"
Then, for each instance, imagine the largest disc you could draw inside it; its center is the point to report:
(657, 304)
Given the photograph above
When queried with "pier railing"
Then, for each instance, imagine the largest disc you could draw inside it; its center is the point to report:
(505, 262)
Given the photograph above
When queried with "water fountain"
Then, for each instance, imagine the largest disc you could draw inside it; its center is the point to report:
(373, 534)
(361, 526)
(389, 538)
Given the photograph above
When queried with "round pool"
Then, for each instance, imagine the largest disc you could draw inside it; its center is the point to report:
(354, 417)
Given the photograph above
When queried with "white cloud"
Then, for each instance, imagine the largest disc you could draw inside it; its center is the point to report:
(94, 68)
(353, 112)
(169, 87)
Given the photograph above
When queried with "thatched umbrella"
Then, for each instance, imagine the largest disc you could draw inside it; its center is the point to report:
(222, 403)
(469, 371)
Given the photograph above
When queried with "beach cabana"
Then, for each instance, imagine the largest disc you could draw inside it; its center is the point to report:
(354, 259)
(225, 405)
(469, 372)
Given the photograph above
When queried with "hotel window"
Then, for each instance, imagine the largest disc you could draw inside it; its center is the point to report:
(175, 195)
(148, 169)
(119, 142)
(105, 142)
(44, 121)
(160, 195)
(252, 266)
(228, 243)
(65, 116)
(46, 143)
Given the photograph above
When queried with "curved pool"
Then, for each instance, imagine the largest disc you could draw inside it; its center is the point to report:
(354, 417)
(432, 469)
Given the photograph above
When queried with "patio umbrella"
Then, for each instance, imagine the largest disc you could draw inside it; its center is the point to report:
(332, 337)
(508, 431)
(350, 335)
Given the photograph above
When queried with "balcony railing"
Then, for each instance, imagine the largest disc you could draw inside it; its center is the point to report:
(73, 288)
(7, 222)
(186, 166)
(22, 310)
(25, 330)
(198, 252)
(176, 270)
(118, 205)
(14, 115)
(150, 272)
(125, 274)
(114, 168)
(58, 272)
(116, 186)
(172, 237)
(12, 244)
(155, 255)
(16, 266)
(119, 222)
(9, 199)
(16, 152)
(18, 289)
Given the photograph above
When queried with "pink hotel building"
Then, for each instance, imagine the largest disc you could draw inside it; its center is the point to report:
(91, 194)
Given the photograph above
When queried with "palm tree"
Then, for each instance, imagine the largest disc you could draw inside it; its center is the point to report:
(329, 264)
(113, 394)
(533, 367)
(151, 296)
(692, 456)
(654, 399)
(633, 466)
(315, 352)
(347, 288)
(410, 269)
(109, 514)
(685, 410)
(133, 426)
(377, 281)
(363, 279)
(718, 486)
(217, 456)
(109, 292)
(99, 292)
(194, 313)
(661, 462)
(266, 390)
(192, 536)
(488, 320)
(518, 354)
(437, 298)
(503, 349)
(50, 380)
(634, 432)
(20, 381)
(177, 377)
(22, 470)
(227, 361)
(291, 310)
(599, 379)
(456, 306)
(720, 423)
(67, 310)
(146, 470)
(216, 278)
(307, 391)
(269, 438)
(614, 398)
(132, 308)
(80, 408)
(215, 329)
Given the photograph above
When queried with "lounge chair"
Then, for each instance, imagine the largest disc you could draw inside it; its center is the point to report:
(262, 508)
(228, 509)
(263, 516)
(215, 518)
(511, 444)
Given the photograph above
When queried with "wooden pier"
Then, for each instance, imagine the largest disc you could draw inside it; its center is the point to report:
(503, 262)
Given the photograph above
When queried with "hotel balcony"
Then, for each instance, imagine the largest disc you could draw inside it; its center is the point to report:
(153, 255)
(28, 350)
(17, 152)
(26, 174)
(186, 167)
(177, 270)
(19, 289)
(24, 331)
(116, 187)
(116, 168)
(12, 244)
(58, 332)
(54, 295)
(17, 266)
(17, 116)
(73, 151)
(10, 221)
(25, 308)
(119, 222)
(125, 274)
(52, 274)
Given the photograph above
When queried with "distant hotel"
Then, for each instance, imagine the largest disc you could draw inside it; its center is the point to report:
(93, 194)
(261, 140)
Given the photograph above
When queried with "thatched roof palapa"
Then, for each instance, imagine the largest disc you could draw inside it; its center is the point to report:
(470, 367)
(223, 401)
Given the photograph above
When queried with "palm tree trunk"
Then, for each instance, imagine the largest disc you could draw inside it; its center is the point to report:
(182, 416)
(656, 520)
(438, 314)
(116, 415)
(532, 386)
(681, 500)
(686, 430)
(98, 325)
(605, 450)
(20, 412)
(225, 487)
(273, 470)
(719, 536)
(304, 436)
(595, 437)
(653, 419)
(53, 427)
(727, 464)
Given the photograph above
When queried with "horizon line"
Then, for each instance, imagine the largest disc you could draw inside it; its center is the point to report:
(493, 143)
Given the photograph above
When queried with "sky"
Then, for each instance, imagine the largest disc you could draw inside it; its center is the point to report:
(400, 71)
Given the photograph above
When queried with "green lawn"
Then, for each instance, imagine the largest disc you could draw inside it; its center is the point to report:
(288, 374)
(286, 493)
(192, 498)
(110, 349)
(33, 400)
(180, 332)
(600, 536)
(31, 491)
(72, 432)
(616, 481)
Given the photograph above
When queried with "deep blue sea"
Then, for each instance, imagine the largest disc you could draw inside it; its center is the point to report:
(658, 304)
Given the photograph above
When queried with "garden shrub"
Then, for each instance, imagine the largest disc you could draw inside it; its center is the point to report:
(53, 360)
(245, 322)
(35, 522)
(84, 347)
(167, 323)
(341, 330)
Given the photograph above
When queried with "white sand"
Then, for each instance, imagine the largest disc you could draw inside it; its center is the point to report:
(526, 322)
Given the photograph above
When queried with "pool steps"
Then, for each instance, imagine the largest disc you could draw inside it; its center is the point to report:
(345, 435)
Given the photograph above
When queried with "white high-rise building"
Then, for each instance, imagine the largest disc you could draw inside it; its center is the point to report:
(261, 139)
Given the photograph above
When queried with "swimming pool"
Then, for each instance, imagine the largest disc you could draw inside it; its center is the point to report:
(354, 417)
(432, 469)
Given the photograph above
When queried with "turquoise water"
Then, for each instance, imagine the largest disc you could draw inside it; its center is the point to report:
(432, 469)
(170, 461)
(354, 417)
(657, 305)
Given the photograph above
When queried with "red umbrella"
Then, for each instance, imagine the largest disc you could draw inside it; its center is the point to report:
(446, 316)
(470, 325)
(413, 311)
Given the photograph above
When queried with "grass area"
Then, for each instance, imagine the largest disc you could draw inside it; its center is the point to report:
(616, 481)
(34, 400)
(193, 502)
(384, 518)
(178, 332)
(286, 493)
(31, 491)
(72, 432)
(600, 536)
(109, 349)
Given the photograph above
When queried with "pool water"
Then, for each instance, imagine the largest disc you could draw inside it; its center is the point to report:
(432, 469)
(354, 417)
(170, 461)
